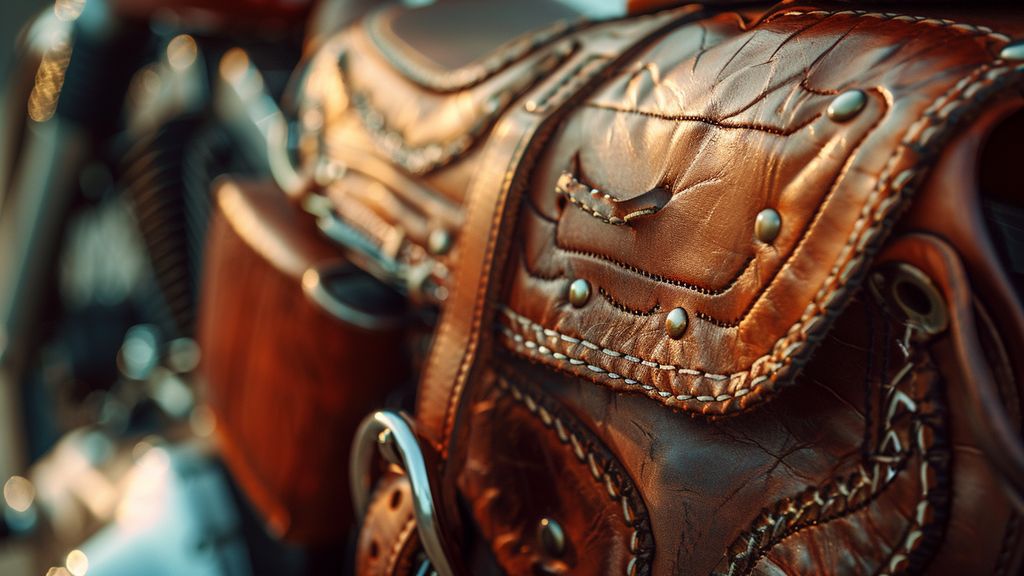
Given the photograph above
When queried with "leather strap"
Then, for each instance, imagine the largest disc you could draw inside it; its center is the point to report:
(493, 202)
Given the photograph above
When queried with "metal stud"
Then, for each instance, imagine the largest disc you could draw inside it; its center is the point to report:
(1013, 52)
(767, 225)
(847, 105)
(579, 292)
(551, 538)
(676, 323)
(439, 242)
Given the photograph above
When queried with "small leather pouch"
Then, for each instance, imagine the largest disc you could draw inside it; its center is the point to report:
(288, 381)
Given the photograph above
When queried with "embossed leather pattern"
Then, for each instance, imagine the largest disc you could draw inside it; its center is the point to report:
(732, 118)
(722, 394)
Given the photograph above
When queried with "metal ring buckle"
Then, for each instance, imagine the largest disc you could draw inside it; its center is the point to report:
(391, 435)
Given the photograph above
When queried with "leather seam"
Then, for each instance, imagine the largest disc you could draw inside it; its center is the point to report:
(657, 277)
(706, 119)
(622, 307)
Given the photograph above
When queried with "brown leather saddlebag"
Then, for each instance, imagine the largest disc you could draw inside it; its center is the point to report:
(724, 290)
(287, 380)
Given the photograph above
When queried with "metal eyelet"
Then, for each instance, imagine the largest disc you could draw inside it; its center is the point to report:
(910, 295)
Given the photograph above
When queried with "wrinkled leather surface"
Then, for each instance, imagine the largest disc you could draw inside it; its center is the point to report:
(861, 463)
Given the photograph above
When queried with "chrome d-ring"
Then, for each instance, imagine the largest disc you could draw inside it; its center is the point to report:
(391, 435)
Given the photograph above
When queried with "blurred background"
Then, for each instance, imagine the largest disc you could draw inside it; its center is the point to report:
(15, 14)
(116, 116)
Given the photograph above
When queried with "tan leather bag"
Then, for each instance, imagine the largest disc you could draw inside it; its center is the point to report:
(724, 289)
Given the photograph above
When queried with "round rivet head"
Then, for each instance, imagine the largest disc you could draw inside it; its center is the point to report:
(439, 242)
(551, 537)
(676, 323)
(1013, 52)
(579, 292)
(847, 105)
(767, 225)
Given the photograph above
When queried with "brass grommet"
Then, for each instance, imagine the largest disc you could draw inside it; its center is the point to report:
(847, 105)
(909, 294)
(439, 242)
(767, 225)
(676, 322)
(579, 292)
(551, 538)
(1014, 51)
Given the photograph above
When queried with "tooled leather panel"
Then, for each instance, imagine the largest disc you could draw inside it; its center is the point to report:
(731, 117)
(529, 460)
(845, 473)
(378, 143)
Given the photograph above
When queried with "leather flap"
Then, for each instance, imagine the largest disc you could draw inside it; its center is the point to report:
(734, 119)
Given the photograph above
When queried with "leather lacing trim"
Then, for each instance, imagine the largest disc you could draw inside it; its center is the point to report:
(848, 493)
(634, 514)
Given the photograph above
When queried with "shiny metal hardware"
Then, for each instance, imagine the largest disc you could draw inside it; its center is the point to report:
(247, 100)
(439, 242)
(910, 295)
(354, 297)
(676, 322)
(847, 105)
(391, 434)
(579, 292)
(1013, 52)
(551, 538)
(362, 251)
(767, 225)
